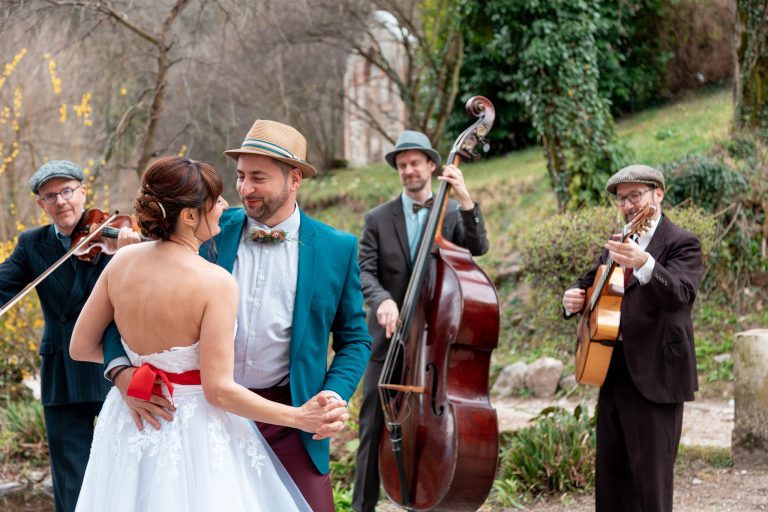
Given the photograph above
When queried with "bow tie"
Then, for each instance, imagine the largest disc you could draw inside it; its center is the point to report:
(427, 204)
(262, 236)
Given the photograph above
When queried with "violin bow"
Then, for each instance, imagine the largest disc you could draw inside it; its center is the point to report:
(31, 286)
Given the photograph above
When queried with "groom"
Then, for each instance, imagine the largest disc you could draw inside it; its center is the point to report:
(299, 282)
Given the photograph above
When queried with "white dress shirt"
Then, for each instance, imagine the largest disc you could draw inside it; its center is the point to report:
(644, 273)
(267, 275)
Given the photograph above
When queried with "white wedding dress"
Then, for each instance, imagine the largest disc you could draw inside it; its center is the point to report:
(205, 459)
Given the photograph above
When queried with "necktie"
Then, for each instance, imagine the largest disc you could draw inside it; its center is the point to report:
(627, 276)
(427, 204)
(629, 271)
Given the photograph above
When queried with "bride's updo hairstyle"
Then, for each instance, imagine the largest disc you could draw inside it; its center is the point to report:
(169, 185)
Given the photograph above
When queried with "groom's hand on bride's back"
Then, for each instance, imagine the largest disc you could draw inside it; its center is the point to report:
(142, 410)
(322, 415)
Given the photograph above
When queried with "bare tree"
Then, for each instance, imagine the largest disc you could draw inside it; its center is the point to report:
(424, 68)
(161, 43)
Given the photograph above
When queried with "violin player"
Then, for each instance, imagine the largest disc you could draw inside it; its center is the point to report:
(652, 370)
(391, 236)
(72, 392)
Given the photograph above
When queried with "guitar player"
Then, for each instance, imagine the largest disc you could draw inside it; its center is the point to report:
(652, 370)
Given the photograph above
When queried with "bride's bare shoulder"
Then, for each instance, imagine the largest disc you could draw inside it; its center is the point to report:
(219, 277)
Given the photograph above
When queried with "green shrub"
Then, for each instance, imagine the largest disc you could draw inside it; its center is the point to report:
(342, 497)
(697, 222)
(343, 449)
(556, 251)
(733, 186)
(23, 430)
(554, 455)
(742, 146)
(20, 328)
(708, 182)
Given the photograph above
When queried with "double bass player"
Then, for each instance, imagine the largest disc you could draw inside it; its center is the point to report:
(391, 235)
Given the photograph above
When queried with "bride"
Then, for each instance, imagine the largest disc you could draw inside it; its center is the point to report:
(176, 314)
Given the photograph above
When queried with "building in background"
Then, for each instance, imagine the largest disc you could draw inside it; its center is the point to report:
(372, 105)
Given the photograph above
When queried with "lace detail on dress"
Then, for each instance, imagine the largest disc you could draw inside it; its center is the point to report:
(173, 360)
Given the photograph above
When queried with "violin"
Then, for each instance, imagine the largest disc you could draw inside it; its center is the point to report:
(95, 218)
(86, 244)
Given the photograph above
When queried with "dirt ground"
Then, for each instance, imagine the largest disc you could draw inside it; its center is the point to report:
(696, 490)
(698, 486)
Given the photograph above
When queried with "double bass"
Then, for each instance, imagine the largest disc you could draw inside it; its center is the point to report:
(440, 448)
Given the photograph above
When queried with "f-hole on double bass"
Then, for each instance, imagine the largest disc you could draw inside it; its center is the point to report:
(440, 449)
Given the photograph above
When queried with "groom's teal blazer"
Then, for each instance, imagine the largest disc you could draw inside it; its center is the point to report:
(329, 301)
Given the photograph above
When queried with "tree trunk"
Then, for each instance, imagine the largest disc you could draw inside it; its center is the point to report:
(751, 84)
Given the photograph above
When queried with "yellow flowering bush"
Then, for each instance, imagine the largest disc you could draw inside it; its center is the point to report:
(20, 329)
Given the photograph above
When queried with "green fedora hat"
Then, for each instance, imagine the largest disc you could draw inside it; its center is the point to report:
(412, 140)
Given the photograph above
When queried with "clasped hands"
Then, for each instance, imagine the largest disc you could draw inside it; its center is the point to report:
(323, 415)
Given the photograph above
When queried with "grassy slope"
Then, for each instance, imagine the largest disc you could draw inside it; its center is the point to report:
(655, 136)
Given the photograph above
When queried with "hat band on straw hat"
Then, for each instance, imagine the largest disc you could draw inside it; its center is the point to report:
(270, 147)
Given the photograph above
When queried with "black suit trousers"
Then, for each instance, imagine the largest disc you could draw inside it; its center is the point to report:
(70, 433)
(366, 490)
(637, 444)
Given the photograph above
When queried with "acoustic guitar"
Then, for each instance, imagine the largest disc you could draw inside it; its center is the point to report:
(599, 322)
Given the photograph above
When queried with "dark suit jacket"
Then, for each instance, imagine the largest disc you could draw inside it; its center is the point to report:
(656, 325)
(385, 258)
(62, 295)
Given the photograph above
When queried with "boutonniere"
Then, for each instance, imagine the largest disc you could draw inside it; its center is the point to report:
(263, 236)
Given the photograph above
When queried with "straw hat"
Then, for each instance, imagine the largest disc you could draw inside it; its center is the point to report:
(276, 140)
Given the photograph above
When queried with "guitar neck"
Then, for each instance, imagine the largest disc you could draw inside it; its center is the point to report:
(610, 265)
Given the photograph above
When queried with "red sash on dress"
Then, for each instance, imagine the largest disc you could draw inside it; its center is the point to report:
(144, 381)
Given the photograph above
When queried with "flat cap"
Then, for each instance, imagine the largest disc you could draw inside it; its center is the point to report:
(55, 169)
(635, 174)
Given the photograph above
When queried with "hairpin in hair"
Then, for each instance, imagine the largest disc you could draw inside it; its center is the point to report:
(161, 208)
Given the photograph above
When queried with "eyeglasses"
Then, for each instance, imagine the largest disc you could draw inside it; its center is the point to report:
(633, 197)
(65, 193)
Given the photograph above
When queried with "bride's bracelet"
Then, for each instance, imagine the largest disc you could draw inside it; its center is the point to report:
(117, 372)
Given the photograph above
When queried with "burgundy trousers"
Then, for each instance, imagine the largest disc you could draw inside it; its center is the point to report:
(287, 445)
